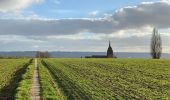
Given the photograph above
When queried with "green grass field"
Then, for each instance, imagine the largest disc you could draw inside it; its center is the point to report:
(24, 87)
(10, 75)
(49, 89)
(101, 79)
(87, 79)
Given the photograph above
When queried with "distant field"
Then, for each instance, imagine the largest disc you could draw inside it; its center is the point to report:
(101, 79)
(10, 74)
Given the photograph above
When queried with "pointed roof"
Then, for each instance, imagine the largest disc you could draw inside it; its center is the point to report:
(109, 50)
(109, 43)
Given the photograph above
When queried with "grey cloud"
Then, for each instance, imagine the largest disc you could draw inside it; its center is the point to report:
(53, 27)
(144, 15)
(147, 14)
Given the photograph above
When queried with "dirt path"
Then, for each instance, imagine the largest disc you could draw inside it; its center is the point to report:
(35, 89)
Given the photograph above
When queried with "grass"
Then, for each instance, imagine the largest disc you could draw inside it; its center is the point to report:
(10, 75)
(49, 89)
(23, 90)
(87, 79)
(101, 79)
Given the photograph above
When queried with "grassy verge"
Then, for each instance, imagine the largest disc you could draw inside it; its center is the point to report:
(49, 89)
(23, 90)
(11, 71)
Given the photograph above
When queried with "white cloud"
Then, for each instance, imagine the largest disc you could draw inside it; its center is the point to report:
(94, 13)
(127, 44)
(165, 0)
(123, 27)
(13, 5)
(137, 20)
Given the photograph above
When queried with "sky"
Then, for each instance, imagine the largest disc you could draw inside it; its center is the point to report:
(83, 25)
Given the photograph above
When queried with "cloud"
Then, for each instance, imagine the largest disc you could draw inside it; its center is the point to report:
(122, 27)
(127, 44)
(146, 14)
(13, 5)
(93, 13)
(53, 27)
(165, 0)
(129, 19)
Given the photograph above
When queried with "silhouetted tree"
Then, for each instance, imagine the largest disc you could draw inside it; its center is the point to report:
(46, 54)
(156, 45)
(42, 54)
(37, 54)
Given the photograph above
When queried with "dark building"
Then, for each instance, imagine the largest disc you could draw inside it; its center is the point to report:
(98, 56)
(109, 54)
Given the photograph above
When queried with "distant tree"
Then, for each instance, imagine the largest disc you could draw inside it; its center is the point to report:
(42, 55)
(156, 45)
(37, 54)
(46, 54)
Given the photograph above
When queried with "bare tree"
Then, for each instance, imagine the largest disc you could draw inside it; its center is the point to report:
(156, 45)
(42, 54)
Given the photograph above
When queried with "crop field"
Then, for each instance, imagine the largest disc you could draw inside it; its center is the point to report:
(49, 89)
(10, 72)
(109, 79)
(86, 79)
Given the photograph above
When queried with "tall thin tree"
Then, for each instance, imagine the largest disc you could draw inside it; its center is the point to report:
(156, 45)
